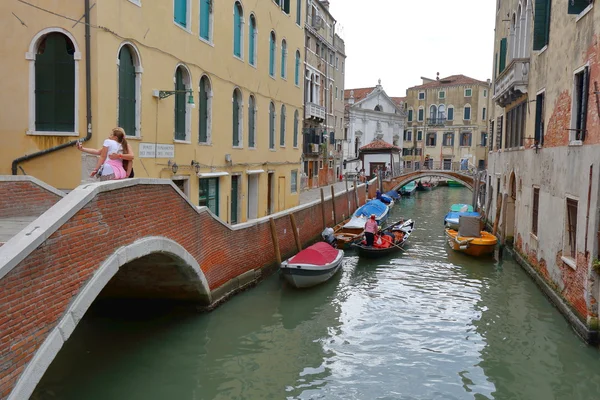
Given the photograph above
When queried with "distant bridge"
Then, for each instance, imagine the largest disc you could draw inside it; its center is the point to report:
(467, 177)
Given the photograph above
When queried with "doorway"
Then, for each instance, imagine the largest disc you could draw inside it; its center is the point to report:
(447, 164)
(235, 181)
(281, 193)
(253, 196)
(270, 190)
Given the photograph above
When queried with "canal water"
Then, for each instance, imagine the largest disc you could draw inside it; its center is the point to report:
(426, 324)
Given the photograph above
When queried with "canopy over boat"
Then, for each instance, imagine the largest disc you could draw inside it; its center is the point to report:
(372, 207)
(319, 253)
(356, 223)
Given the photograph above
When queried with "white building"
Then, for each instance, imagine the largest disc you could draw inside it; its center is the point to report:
(371, 115)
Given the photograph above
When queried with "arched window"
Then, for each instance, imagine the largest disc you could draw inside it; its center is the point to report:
(206, 19)
(251, 122)
(252, 41)
(296, 128)
(442, 113)
(298, 11)
(297, 69)
(272, 46)
(283, 59)
(238, 18)
(205, 108)
(128, 92)
(237, 117)
(182, 114)
(272, 126)
(56, 84)
(282, 128)
(378, 108)
(433, 112)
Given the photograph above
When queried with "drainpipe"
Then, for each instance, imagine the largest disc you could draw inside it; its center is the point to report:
(88, 100)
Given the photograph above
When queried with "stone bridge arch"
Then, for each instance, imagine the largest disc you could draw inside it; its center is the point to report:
(187, 282)
(396, 183)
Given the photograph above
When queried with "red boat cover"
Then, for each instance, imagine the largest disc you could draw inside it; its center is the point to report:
(319, 253)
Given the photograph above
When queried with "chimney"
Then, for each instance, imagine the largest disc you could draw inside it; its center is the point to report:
(438, 76)
(325, 3)
(351, 99)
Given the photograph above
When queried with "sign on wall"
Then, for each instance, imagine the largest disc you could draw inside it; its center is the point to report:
(147, 150)
(152, 150)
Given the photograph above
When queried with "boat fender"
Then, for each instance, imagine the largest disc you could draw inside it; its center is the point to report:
(464, 247)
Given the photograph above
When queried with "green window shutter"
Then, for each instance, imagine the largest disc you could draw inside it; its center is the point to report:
(205, 11)
(252, 42)
(203, 110)
(180, 106)
(541, 25)
(410, 115)
(298, 11)
(577, 6)
(213, 195)
(126, 91)
(236, 118)
(296, 129)
(283, 58)
(297, 69)
(251, 122)
(237, 30)
(467, 113)
(272, 126)
(234, 199)
(450, 114)
(272, 54)
(421, 112)
(180, 12)
(503, 48)
(282, 128)
(55, 85)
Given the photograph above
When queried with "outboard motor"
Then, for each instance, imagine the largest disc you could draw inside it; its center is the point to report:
(328, 236)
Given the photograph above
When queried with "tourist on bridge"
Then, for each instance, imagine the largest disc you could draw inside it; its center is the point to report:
(110, 164)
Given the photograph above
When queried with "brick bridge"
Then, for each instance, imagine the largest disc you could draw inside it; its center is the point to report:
(137, 238)
(466, 178)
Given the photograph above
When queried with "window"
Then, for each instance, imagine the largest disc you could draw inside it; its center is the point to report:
(252, 41)
(467, 113)
(441, 113)
(180, 14)
(209, 194)
(238, 18)
(282, 127)
(296, 118)
(55, 105)
(127, 92)
(410, 115)
(499, 122)
(237, 117)
(578, 6)
(206, 14)
(450, 113)
(515, 125)
(251, 122)
(484, 92)
(419, 136)
(272, 126)
(491, 135)
(539, 118)
(421, 95)
(420, 116)
(284, 59)
(503, 49)
(431, 139)
(182, 114)
(204, 108)
(298, 11)
(535, 211)
(294, 181)
(378, 108)
(272, 54)
(433, 112)
(580, 105)
(483, 139)
(541, 24)
(468, 92)
(571, 229)
(465, 139)
(408, 135)
(441, 94)
(297, 69)
(483, 114)
(448, 139)
(337, 61)
(336, 92)
(285, 5)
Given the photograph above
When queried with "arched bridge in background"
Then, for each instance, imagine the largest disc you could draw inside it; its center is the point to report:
(467, 177)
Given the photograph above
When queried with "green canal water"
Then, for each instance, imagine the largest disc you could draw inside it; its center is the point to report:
(427, 324)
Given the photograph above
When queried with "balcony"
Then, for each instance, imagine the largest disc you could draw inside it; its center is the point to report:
(314, 111)
(512, 82)
(440, 121)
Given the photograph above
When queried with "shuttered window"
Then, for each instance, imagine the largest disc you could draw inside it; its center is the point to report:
(282, 127)
(251, 122)
(203, 99)
(450, 113)
(298, 11)
(237, 106)
(467, 113)
(541, 25)
(272, 126)
(237, 30)
(127, 91)
(297, 69)
(581, 103)
(272, 54)
(503, 48)
(205, 13)
(180, 105)
(55, 85)
(180, 12)
(421, 112)
(296, 128)
(410, 115)
(252, 41)
(283, 59)
(539, 118)
(577, 6)
(209, 194)
(535, 211)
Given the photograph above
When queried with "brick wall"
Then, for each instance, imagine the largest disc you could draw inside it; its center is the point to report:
(35, 294)
(24, 198)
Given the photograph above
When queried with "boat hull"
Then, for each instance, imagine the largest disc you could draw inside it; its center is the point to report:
(476, 247)
(306, 275)
(373, 252)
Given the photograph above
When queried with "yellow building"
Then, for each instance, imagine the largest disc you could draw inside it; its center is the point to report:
(208, 92)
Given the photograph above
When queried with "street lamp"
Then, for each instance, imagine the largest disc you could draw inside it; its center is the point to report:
(162, 94)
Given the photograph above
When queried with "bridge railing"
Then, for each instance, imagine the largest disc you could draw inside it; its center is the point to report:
(450, 166)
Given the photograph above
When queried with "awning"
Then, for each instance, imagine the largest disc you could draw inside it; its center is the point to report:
(212, 174)
(254, 171)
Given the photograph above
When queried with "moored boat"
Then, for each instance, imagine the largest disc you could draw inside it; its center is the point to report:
(376, 207)
(423, 186)
(313, 265)
(408, 189)
(349, 231)
(389, 240)
(454, 184)
(456, 211)
(470, 239)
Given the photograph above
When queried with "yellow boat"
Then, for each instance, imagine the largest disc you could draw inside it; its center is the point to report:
(474, 246)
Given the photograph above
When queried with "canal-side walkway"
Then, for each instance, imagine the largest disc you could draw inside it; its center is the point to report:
(310, 195)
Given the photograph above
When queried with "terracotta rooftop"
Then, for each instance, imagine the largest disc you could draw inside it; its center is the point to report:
(379, 145)
(359, 93)
(453, 80)
(398, 100)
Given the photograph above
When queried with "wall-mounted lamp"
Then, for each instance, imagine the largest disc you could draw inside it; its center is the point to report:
(173, 165)
(196, 166)
(227, 158)
(161, 94)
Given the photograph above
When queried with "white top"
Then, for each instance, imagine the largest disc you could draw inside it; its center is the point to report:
(113, 147)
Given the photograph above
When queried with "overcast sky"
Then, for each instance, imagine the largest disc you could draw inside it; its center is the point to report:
(401, 40)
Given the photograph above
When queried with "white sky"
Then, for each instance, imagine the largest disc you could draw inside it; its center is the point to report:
(401, 40)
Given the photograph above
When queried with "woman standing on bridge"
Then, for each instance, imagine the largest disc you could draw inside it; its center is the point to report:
(111, 163)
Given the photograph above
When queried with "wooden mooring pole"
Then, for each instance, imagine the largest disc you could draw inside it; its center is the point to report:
(333, 204)
(296, 234)
(275, 240)
(323, 208)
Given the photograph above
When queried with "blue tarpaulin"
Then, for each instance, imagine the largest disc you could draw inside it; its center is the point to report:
(372, 207)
